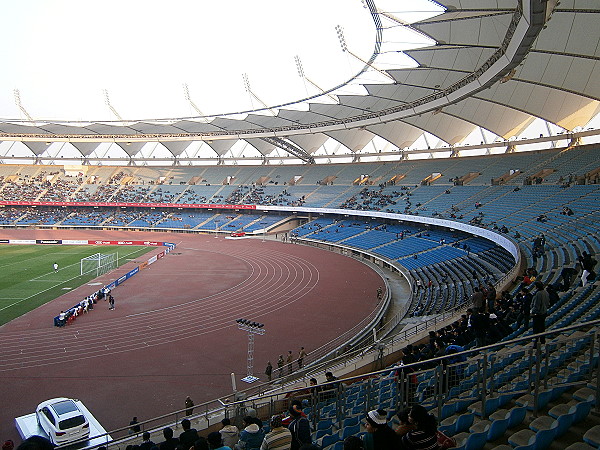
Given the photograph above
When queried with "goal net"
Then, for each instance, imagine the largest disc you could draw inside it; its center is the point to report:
(98, 264)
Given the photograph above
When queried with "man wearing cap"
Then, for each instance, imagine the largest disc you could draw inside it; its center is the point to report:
(379, 435)
(299, 427)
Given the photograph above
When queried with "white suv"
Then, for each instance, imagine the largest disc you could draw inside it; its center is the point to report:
(62, 420)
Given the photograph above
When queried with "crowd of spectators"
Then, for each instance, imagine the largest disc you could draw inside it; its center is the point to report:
(377, 200)
(131, 194)
(28, 190)
(256, 194)
(291, 430)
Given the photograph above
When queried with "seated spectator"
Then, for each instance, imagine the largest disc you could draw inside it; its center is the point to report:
(405, 426)
(330, 391)
(170, 442)
(278, 438)
(215, 441)
(189, 435)
(251, 436)
(229, 433)
(200, 444)
(146, 444)
(379, 435)
(424, 435)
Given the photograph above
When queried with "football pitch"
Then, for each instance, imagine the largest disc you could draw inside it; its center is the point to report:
(28, 279)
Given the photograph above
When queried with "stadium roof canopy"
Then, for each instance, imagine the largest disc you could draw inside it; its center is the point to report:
(489, 71)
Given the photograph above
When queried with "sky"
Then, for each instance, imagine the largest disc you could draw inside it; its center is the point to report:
(63, 55)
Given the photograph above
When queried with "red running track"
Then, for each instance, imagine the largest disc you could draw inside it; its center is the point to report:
(173, 331)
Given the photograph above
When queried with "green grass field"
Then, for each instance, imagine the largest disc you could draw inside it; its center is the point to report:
(28, 280)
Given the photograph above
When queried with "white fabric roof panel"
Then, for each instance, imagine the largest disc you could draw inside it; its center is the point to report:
(152, 128)
(498, 119)
(302, 116)
(335, 111)
(268, 121)
(131, 148)
(449, 129)
(562, 72)
(481, 4)
(58, 128)
(15, 128)
(483, 30)
(400, 134)
(263, 147)
(355, 139)
(368, 102)
(457, 15)
(393, 92)
(401, 93)
(85, 148)
(221, 146)
(309, 142)
(176, 147)
(580, 41)
(554, 106)
(579, 4)
(569, 33)
(190, 126)
(36, 147)
(102, 128)
(231, 124)
(465, 59)
(425, 76)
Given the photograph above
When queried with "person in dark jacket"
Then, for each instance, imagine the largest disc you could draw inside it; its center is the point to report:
(170, 442)
(189, 435)
(539, 309)
(379, 435)
(300, 429)
(424, 436)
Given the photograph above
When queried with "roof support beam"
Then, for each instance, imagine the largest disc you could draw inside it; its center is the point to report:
(291, 148)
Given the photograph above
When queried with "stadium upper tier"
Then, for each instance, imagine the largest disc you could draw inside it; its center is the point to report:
(429, 187)
(494, 65)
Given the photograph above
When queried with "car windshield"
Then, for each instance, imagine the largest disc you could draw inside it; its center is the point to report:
(64, 407)
(71, 422)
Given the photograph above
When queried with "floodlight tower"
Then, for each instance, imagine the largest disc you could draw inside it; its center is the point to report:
(387, 14)
(253, 95)
(252, 328)
(112, 109)
(340, 34)
(186, 93)
(20, 105)
(304, 77)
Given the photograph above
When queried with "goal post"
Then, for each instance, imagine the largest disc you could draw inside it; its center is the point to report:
(98, 264)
